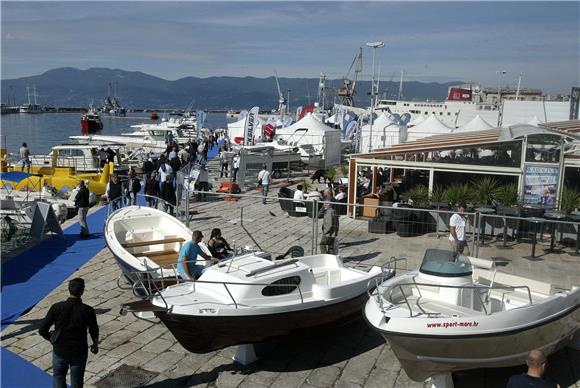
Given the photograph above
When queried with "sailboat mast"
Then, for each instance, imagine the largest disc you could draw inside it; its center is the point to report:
(519, 84)
(401, 85)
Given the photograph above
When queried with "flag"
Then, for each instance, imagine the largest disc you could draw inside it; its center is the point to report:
(351, 129)
(305, 110)
(298, 113)
(347, 119)
(200, 121)
(250, 125)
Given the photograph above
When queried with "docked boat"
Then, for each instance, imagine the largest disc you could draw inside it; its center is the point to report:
(250, 298)
(145, 239)
(461, 313)
(91, 121)
(32, 106)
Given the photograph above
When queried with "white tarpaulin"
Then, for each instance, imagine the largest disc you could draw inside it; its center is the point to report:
(385, 134)
(431, 126)
(310, 132)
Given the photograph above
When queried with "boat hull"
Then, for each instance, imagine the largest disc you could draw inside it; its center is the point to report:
(90, 125)
(423, 356)
(202, 334)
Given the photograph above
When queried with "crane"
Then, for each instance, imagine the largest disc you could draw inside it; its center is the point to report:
(347, 91)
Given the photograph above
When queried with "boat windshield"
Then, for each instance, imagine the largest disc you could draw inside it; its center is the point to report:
(439, 262)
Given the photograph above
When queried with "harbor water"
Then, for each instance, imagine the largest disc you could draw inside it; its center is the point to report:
(43, 131)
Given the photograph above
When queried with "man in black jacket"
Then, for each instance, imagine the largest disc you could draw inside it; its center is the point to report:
(71, 320)
(82, 204)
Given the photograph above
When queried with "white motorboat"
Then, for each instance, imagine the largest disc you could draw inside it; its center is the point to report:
(250, 298)
(145, 239)
(461, 313)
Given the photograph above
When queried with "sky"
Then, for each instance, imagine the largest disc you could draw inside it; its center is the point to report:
(429, 41)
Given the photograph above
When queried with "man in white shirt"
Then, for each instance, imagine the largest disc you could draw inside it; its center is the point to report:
(299, 194)
(264, 181)
(235, 166)
(341, 195)
(164, 169)
(457, 228)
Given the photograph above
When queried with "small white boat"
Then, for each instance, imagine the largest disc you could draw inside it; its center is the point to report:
(250, 298)
(460, 313)
(145, 239)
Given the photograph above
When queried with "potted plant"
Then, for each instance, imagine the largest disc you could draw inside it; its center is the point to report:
(483, 190)
(457, 194)
(343, 170)
(570, 200)
(418, 196)
(331, 174)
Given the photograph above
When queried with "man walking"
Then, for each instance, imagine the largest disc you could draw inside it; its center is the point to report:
(114, 192)
(82, 205)
(457, 226)
(133, 188)
(264, 181)
(71, 320)
(25, 157)
(330, 227)
(235, 166)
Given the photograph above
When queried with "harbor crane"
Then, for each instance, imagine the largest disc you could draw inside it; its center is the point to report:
(348, 89)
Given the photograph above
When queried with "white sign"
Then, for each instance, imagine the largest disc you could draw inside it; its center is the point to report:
(250, 125)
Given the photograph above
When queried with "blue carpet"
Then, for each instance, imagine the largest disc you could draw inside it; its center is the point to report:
(17, 372)
(29, 277)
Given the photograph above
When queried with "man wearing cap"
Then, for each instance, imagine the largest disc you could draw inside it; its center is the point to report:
(187, 267)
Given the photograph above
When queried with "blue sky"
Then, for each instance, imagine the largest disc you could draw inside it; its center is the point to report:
(431, 41)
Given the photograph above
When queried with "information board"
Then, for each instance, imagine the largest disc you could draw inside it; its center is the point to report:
(540, 185)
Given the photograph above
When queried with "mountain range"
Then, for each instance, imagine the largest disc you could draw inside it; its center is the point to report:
(71, 87)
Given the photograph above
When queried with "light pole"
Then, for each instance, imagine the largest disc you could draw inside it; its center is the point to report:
(288, 103)
(499, 106)
(374, 46)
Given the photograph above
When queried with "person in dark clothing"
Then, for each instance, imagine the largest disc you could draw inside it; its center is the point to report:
(103, 156)
(217, 244)
(148, 168)
(175, 163)
(114, 192)
(152, 190)
(168, 195)
(537, 363)
(134, 187)
(71, 320)
(110, 155)
(82, 204)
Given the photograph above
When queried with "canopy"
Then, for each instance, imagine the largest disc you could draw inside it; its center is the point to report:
(477, 124)
(382, 126)
(14, 176)
(236, 129)
(431, 126)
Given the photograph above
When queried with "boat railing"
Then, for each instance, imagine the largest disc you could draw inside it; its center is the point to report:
(388, 270)
(148, 284)
(476, 288)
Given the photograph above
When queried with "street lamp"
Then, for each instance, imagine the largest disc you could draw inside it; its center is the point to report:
(499, 106)
(374, 46)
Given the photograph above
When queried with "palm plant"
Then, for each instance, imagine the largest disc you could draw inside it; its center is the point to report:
(570, 200)
(457, 194)
(437, 194)
(507, 195)
(419, 195)
(306, 186)
(331, 174)
(484, 190)
(344, 169)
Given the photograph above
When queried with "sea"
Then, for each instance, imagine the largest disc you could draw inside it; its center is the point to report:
(43, 131)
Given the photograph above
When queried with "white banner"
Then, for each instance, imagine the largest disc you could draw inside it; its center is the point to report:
(250, 125)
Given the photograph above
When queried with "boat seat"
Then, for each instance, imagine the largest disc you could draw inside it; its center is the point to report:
(430, 306)
(162, 258)
(153, 242)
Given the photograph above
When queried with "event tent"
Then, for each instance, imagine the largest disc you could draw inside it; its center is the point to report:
(431, 126)
(311, 134)
(382, 126)
(477, 124)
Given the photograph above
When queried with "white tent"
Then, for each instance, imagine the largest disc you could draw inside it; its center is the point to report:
(417, 119)
(534, 121)
(236, 129)
(385, 134)
(477, 124)
(431, 126)
(310, 134)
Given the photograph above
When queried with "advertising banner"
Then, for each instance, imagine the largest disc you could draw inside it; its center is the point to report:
(250, 126)
(540, 185)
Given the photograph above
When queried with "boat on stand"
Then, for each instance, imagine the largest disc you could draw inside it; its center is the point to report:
(459, 313)
(246, 299)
